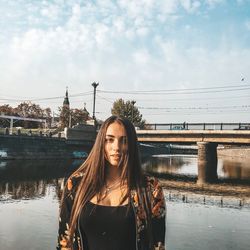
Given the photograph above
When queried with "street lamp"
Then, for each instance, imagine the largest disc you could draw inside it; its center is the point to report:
(133, 103)
(94, 84)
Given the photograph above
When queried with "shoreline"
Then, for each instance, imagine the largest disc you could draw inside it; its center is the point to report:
(220, 189)
(222, 193)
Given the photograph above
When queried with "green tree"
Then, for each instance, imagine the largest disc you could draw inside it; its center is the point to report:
(79, 116)
(128, 110)
(64, 116)
(25, 109)
(72, 116)
(32, 110)
(5, 110)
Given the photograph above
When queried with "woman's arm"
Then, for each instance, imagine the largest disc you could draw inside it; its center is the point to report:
(158, 215)
(64, 217)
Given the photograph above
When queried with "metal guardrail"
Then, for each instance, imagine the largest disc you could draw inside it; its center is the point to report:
(197, 126)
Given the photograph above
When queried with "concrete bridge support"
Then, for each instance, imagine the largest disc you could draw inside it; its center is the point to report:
(207, 162)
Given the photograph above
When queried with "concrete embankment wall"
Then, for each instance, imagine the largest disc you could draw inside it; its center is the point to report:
(234, 152)
(35, 147)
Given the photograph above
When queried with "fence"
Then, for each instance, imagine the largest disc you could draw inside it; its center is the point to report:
(198, 126)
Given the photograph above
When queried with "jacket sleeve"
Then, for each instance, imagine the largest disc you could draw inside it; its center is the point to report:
(64, 217)
(158, 215)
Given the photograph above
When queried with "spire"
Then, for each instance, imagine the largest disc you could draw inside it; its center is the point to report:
(85, 110)
(66, 99)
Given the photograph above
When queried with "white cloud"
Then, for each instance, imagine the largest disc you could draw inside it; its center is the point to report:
(190, 6)
(142, 31)
(119, 24)
(168, 6)
(51, 12)
(126, 44)
(141, 57)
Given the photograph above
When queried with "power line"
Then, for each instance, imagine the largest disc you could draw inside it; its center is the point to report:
(111, 100)
(196, 108)
(173, 93)
(198, 113)
(181, 91)
(106, 99)
(46, 98)
(196, 98)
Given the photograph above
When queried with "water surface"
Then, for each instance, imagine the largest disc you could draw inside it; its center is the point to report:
(227, 168)
(29, 203)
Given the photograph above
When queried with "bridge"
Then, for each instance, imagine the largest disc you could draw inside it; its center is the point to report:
(198, 126)
(207, 141)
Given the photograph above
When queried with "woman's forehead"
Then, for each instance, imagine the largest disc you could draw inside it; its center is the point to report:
(116, 129)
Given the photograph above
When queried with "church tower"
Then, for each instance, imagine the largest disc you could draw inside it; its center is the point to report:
(66, 99)
(65, 118)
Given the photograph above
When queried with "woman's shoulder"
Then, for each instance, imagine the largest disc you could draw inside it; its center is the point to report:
(154, 185)
(73, 181)
(151, 181)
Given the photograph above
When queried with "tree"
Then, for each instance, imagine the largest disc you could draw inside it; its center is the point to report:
(32, 110)
(64, 116)
(47, 116)
(72, 116)
(5, 110)
(79, 116)
(25, 109)
(128, 110)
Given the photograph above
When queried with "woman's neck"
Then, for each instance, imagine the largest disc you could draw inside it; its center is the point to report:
(113, 173)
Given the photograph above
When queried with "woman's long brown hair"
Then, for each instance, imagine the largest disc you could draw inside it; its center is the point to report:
(94, 169)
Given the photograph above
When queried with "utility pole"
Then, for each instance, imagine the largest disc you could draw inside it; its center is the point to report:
(94, 84)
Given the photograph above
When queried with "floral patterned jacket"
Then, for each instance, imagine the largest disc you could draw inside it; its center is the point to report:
(154, 191)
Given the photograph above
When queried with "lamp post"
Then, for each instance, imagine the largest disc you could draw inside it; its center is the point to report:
(133, 103)
(94, 84)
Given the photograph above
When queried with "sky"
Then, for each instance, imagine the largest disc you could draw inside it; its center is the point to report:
(180, 60)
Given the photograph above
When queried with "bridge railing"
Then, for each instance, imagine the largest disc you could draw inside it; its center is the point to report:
(197, 126)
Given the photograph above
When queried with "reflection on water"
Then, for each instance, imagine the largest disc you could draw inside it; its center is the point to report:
(13, 170)
(29, 203)
(29, 179)
(30, 223)
(196, 227)
(187, 165)
(237, 168)
(28, 189)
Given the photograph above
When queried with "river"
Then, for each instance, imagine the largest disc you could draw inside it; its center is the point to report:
(29, 200)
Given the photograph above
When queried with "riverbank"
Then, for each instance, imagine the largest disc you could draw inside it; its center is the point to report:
(224, 192)
(221, 189)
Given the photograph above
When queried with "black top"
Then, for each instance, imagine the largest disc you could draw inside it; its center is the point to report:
(108, 227)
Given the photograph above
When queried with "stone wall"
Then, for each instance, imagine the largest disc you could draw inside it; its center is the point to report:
(35, 147)
(81, 132)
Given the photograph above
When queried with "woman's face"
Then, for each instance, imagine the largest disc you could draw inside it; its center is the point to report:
(115, 143)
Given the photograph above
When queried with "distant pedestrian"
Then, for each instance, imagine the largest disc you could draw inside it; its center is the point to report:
(108, 203)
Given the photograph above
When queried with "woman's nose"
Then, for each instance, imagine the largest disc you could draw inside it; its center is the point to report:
(116, 145)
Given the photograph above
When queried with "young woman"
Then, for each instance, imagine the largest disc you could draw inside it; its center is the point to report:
(108, 203)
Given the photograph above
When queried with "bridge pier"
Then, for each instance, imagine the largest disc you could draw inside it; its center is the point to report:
(207, 162)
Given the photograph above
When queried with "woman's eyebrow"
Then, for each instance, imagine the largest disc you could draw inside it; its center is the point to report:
(110, 136)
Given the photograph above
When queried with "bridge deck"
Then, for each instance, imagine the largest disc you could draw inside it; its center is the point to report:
(192, 136)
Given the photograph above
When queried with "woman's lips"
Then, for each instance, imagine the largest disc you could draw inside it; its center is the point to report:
(115, 156)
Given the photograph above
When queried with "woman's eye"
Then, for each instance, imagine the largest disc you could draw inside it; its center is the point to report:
(109, 140)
